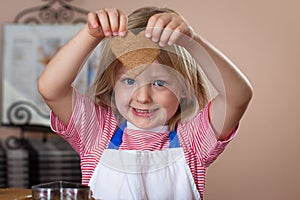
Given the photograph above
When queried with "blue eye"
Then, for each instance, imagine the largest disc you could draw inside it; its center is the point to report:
(159, 83)
(129, 81)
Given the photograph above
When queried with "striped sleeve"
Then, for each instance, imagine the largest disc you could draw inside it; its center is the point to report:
(202, 138)
(216, 147)
(89, 131)
(85, 118)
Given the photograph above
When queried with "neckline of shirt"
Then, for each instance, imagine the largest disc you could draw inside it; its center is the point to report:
(159, 129)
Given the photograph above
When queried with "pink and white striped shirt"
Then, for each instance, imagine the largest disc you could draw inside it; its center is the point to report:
(91, 127)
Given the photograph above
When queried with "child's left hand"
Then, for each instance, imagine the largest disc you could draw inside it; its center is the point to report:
(168, 28)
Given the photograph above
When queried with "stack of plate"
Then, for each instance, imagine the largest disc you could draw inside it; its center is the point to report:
(28, 162)
(55, 160)
(17, 162)
(2, 167)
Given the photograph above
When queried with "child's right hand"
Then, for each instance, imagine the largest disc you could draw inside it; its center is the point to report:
(107, 22)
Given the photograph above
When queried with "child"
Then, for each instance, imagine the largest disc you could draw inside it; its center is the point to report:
(152, 135)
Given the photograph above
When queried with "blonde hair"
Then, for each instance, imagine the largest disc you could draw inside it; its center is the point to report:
(176, 57)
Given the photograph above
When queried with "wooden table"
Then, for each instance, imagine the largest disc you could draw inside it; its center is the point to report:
(15, 194)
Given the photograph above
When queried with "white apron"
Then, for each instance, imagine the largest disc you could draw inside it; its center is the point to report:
(143, 175)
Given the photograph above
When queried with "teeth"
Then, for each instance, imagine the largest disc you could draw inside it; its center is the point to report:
(142, 111)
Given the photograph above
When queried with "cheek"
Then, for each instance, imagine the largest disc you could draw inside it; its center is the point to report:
(122, 95)
(174, 107)
(170, 103)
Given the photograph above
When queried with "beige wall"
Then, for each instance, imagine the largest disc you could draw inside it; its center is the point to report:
(262, 37)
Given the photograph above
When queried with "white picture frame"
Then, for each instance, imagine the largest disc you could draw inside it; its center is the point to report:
(26, 51)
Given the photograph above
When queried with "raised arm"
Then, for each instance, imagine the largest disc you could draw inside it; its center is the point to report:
(55, 83)
(234, 90)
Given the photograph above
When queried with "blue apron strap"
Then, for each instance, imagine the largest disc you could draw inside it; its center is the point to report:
(174, 140)
(116, 140)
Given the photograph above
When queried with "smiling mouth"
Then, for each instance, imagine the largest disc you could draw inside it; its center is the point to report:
(144, 112)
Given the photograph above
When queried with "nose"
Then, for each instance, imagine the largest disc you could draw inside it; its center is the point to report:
(143, 94)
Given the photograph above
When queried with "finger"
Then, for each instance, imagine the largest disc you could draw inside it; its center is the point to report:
(158, 27)
(154, 27)
(94, 25)
(178, 35)
(104, 22)
(161, 22)
(164, 38)
(92, 20)
(167, 32)
(113, 17)
(123, 24)
(150, 24)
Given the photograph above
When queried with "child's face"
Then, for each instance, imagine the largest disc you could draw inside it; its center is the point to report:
(150, 99)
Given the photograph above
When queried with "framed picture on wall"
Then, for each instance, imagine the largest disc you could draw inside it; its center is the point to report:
(26, 51)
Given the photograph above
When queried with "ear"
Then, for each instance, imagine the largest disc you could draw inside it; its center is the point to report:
(182, 99)
(183, 94)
